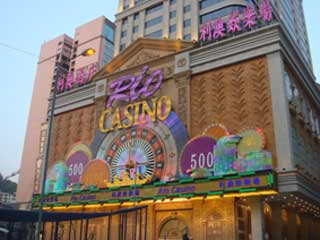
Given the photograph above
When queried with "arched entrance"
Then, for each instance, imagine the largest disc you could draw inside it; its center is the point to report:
(174, 229)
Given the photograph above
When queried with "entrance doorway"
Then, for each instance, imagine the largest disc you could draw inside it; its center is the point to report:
(174, 229)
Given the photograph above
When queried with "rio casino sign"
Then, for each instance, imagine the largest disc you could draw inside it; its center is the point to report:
(129, 89)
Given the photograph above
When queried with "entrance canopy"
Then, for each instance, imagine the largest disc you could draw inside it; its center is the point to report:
(13, 215)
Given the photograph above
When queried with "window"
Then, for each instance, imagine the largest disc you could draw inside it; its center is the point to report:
(220, 13)
(135, 29)
(123, 34)
(173, 14)
(124, 21)
(125, 7)
(153, 9)
(172, 28)
(187, 36)
(187, 23)
(157, 34)
(173, 2)
(153, 22)
(187, 8)
(208, 3)
(122, 46)
(136, 16)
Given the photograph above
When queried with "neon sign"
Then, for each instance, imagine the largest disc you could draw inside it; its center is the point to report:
(218, 29)
(129, 88)
(71, 80)
(132, 84)
(204, 156)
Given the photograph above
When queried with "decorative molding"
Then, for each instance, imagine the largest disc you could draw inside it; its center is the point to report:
(76, 98)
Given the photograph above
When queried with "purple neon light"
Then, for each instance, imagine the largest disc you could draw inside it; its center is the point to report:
(128, 88)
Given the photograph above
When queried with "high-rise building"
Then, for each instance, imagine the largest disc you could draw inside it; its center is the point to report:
(59, 57)
(180, 19)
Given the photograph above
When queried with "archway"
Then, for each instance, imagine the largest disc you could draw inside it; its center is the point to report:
(174, 229)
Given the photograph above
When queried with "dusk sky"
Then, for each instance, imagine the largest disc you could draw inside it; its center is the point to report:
(25, 25)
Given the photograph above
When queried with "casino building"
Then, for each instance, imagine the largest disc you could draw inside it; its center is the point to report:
(219, 139)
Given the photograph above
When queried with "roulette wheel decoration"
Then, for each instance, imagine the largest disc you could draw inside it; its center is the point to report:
(136, 154)
(144, 153)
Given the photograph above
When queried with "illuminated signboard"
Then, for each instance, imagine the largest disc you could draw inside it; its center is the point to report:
(219, 29)
(79, 78)
(206, 187)
(128, 89)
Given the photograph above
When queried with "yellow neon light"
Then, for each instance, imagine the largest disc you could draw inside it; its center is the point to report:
(168, 200)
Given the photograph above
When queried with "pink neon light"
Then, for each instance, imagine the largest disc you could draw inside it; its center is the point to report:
(61, 82)
(218, 29)
(206, 31)
(91, 71)
(249, 17)
(234, 22)
(80, 78)
(265, 11)
(69, 81)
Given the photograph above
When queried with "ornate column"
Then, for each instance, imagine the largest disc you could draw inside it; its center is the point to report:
(182, 79)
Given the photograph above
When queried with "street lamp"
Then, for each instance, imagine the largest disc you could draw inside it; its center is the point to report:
(86, 53)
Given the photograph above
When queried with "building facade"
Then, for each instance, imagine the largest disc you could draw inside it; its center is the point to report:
(59, 60)
(7, 198)
(181, 19)
(218, 138)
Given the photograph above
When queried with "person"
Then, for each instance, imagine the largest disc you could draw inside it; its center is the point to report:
(185, 236)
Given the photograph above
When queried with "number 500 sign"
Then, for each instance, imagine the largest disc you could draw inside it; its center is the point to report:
(198, 153)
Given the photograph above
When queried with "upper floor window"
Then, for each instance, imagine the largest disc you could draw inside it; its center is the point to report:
(187, 8)
(135, 29)
(136, 16)
(122, 46)
(172, 28)
(156, 34)
(173, 2)
(187, 36)
(187, 23)
(123, 34)
(124, 21)
(208, 3)
(220, 13)
(125, 7)
(153, 22)
(154, 9)
(173, 14)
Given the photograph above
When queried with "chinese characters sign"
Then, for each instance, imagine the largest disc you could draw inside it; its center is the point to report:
(210, 187)
(79, 78)
(236, 22)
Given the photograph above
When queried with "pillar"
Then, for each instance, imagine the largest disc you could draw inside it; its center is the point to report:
(129, 30)
(179, 24)
(257, 218)
(117, 37)
(292, 225)
(276, 222)
(195, 20)
(197, 222)
(165, 26)
(281, 117)
(142, 16)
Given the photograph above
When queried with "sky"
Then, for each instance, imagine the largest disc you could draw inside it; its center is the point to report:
(26, 24)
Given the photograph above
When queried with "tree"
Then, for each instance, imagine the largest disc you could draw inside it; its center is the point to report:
(7, 185)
